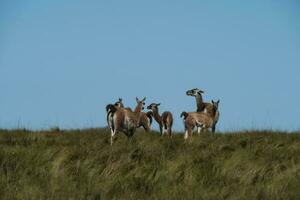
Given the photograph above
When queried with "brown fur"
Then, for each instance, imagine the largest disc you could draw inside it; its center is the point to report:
(203, 106)
(199, 119)
(128, 108)
(126, 120)
(165, 121)
(146, 121)
(110, 110)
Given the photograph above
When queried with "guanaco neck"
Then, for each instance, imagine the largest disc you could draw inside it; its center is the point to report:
(199, 102)
(138, 108)
(156, 116)
(137, 111)
(214, 112)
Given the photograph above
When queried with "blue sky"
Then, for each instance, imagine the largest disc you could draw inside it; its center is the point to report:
(61, 62)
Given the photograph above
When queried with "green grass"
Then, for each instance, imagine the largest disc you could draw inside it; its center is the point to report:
(81, 164)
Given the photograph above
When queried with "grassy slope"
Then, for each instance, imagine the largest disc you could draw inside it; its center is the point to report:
(82, 165)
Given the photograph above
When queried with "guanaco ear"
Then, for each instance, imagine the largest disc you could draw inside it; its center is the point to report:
(120, 99)
(158, 104)
(218, 101)
(212, 101)
(137, 100)
(144, 99)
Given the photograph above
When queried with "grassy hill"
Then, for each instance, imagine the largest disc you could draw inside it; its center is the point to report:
(81, 164)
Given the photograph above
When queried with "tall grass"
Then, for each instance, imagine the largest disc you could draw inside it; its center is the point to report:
(81, 164)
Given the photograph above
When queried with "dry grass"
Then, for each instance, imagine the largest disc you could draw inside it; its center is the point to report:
(81, 164)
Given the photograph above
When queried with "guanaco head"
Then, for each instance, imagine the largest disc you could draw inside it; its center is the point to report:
(153, 106)
(119, 103)
(184, 115)
(194, 92)
(215, 105)
(140, 103)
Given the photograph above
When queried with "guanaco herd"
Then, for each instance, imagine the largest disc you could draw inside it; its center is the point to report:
(126, 120)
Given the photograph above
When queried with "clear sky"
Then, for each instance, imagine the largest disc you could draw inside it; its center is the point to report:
(61, 62)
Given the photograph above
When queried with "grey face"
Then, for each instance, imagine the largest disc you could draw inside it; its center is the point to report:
(215, 104)
(194, 92)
